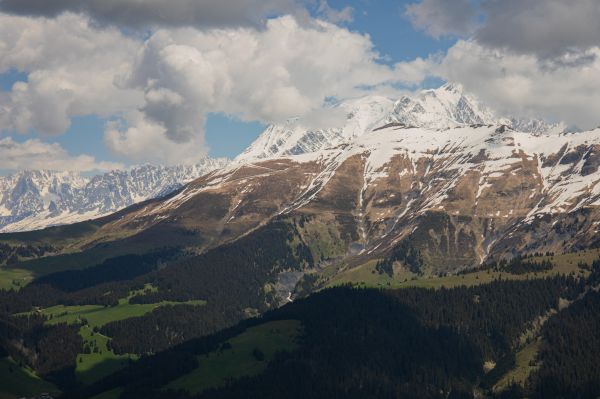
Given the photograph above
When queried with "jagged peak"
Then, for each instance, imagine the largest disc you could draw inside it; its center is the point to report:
(447, 106)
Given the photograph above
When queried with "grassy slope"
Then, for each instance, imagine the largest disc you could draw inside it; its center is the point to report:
(94, 366)
(216, 367)
(20, 381)
(366, 275)
(524, 366)
(14, 278)
(98, 316)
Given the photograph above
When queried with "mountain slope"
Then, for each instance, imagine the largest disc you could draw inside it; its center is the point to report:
(431, 184)
(37, 199)
(457, 196)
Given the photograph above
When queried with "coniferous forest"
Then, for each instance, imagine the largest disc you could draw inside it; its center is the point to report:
(410, 342)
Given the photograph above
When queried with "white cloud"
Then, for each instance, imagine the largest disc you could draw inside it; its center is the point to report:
(201, 14)
(35, 154)
(547, 28)
(140, 140)
(330, 14)
(285, 70)
(167, 84)
(442, 17)
(518, 84)
(537, 58)
(73, 70)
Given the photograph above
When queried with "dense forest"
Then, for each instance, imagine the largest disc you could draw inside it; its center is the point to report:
(394, 343)
(407, 343)
(571, 349)
(232, 279)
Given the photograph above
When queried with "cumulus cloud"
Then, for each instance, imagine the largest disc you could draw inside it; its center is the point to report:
(534, 58)
(545, 28)
(136, 13)
(331, 14)
(442, 17)
(162, 87)
(35, 154)
(518, 84)
(178, 13)
(73, 70)
(269, 75)
(135, 138)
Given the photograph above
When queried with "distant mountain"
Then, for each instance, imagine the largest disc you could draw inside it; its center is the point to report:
(36, 199)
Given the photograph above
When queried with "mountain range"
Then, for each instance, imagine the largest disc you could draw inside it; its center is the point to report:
(436, 175)
(32, 200)
(36, 199)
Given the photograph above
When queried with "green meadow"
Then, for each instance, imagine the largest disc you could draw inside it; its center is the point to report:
(101, 361)
(240, 360)
(14, 278)
(366, 276)
(97, 316)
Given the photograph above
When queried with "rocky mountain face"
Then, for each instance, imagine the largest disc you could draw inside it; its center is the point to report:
(37, 199)
(433, 183)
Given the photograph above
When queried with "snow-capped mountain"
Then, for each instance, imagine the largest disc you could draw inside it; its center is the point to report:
(446, 107)
(37, 199)
(457, 196)
(438, 170)
(436, 174)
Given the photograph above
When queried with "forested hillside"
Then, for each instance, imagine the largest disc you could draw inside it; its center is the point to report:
(403, 343)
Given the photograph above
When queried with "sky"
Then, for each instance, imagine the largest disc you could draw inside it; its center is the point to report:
(101, 84)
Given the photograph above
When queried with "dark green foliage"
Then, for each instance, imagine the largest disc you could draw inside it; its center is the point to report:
(167, 326)
(258, 354)
(494, 314)
(519, 265)
(405, 253)
(10, 254)
(356, 343)
(515, 391)
(385, 267)
(230, 278)
(120, 268)
(56, 348)
(570, 353)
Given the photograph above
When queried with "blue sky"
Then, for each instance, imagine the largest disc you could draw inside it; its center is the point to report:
(392, 34)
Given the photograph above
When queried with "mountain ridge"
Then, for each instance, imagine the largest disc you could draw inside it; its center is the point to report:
(41, 198)
(436, 109)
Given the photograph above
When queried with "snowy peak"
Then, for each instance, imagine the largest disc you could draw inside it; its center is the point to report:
(40, 198)
(293, 138)
(445, 107)
(448, 106)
